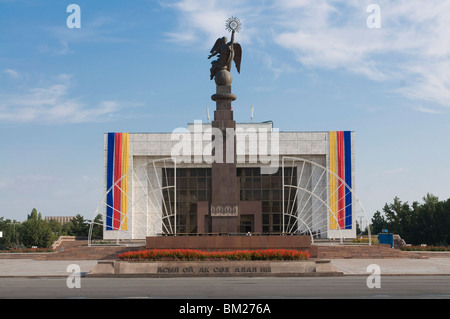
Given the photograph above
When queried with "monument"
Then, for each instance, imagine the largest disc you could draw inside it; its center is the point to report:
(175, 200)
(224, 212)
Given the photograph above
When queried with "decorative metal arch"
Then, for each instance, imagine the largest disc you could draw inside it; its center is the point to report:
(147, 210)
(305, 216)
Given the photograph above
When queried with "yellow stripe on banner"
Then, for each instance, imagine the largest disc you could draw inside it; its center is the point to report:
(333, 179)
(125, 168)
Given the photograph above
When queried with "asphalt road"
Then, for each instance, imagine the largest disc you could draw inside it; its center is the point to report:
(427, 287)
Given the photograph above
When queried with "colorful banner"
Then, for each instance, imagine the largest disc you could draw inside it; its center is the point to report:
(125, 185)
(117, 164)
(348, 178)
(341, 185)
(340, 155)
(109, 181)
(333, 181)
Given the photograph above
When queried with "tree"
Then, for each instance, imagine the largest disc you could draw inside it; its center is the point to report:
(433, 216)
(444, 217)
(78, 226)
(56, 228)
(397, 215)
(426, 223)
(10, 230)
(378, 223)
(97, 227)
(35, 231)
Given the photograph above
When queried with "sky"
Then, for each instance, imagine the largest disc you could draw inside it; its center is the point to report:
(141, 66)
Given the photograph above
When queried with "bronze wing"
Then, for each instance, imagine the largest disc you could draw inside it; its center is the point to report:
(237, 56)
(216, 45)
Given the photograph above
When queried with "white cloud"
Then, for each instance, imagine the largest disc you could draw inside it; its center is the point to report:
(431, 81)
(420, 108)
(201, 22)
(52, 104)
(411, 46)
(12, 73)
(181, 37)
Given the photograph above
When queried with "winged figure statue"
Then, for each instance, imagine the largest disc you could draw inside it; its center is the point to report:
(226, 52)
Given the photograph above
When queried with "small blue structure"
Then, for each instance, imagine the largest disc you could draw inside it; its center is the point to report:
(386, 238)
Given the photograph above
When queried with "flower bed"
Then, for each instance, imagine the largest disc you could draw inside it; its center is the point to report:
(198, 255)
(425, 248)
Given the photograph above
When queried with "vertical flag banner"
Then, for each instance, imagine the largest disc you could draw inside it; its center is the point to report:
(116, 167)
(125, 170)
(117, 180)
(109, 181)
(340, 155)
(333, 181)
(341, 186)
(348, 178)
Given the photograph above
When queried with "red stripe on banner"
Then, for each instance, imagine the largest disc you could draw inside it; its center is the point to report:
(341, 174)
(117, 176)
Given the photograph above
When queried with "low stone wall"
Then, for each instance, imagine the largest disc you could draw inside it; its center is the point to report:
(213, 269)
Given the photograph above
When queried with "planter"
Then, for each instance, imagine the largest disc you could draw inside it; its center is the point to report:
(213, 269)
(200, 255)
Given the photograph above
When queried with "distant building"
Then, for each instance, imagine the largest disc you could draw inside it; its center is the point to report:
(62, 219)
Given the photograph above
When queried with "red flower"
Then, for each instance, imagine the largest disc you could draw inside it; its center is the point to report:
(191, 254)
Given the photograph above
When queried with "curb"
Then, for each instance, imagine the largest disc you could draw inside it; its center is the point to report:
(186, 269)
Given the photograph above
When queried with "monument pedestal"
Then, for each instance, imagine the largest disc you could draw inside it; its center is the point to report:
(224, 209)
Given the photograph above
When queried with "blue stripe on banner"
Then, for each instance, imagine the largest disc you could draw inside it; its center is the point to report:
(109, 181)
(348, 179)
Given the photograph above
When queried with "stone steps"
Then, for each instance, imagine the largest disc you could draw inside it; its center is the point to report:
(359, 251)
(89, 253)
(323, 252)
(79, 250)
(75, 250)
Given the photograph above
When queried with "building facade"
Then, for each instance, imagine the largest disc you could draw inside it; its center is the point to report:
(287, 182)
(62, 219)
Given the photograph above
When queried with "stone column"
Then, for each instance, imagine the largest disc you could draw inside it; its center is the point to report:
(224, 197)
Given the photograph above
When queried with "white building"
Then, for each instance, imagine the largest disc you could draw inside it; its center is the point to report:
(289, 182)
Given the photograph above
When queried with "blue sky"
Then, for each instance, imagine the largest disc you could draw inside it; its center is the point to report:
(141, 66)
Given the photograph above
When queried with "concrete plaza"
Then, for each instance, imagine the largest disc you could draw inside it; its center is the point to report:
(400, 266)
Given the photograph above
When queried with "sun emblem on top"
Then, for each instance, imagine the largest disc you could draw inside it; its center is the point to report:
(233, 24)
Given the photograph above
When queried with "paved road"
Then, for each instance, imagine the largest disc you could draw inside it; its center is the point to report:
(21, 278)
(203, 288)
(404, 266)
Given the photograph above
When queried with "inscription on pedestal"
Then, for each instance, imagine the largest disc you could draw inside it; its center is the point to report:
(218, 210)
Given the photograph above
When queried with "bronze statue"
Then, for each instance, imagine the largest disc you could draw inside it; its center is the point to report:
(226, 52)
